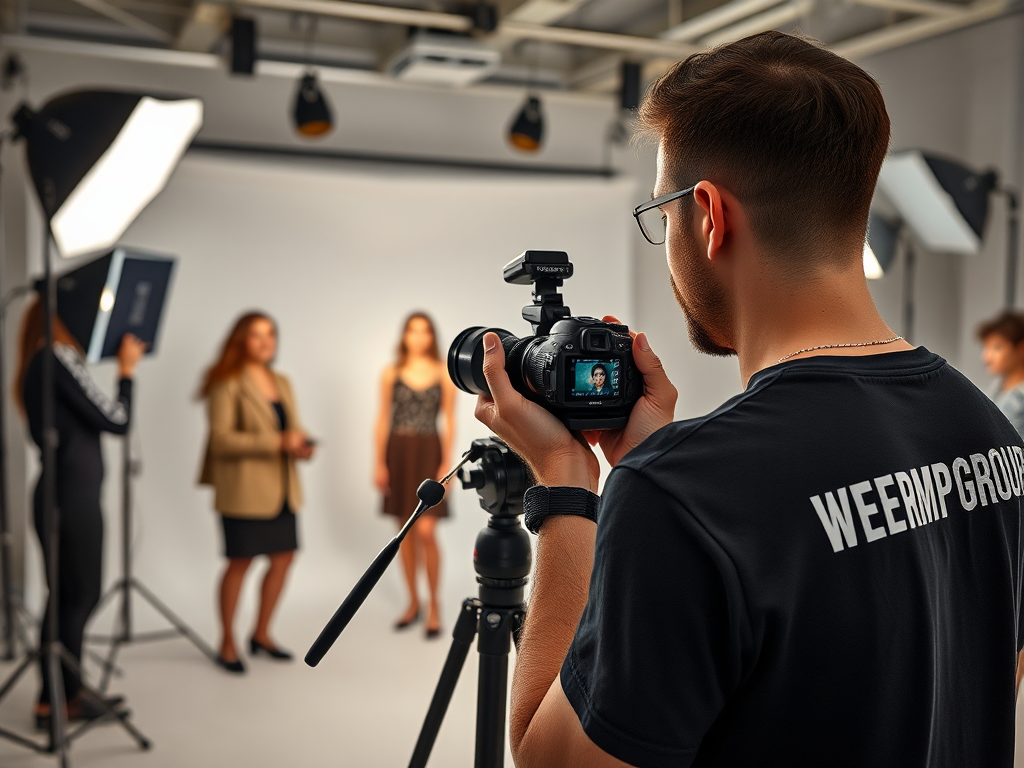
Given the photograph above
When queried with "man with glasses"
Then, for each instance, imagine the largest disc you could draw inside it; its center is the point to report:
(826, 570)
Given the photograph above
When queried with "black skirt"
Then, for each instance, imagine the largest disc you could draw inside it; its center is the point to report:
(244, 537)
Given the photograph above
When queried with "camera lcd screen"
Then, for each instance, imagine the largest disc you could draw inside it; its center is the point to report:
(592, 378)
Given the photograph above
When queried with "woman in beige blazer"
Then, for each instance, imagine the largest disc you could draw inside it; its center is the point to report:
(255, 440)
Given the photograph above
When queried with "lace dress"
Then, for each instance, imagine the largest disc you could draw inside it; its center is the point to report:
(414, 448)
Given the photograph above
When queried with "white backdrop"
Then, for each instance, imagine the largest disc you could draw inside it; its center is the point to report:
(338, 254)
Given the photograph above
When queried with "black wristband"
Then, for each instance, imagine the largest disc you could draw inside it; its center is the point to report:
(540, 501)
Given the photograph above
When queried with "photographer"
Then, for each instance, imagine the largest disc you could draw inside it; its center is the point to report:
(826, 569)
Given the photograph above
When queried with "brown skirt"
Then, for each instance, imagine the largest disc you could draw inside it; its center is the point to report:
(411, 459)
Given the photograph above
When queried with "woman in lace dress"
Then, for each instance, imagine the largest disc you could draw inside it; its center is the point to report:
(414, 391)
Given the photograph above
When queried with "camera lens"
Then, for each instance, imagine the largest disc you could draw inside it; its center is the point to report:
(466, 358)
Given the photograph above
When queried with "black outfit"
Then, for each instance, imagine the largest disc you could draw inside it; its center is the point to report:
(82, 413)
(244, 537)
(824, 571)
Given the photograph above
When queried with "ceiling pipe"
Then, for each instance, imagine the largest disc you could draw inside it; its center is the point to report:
(919, 7)
(130, 20)
(713, 20)
(456, 23)
(917, 29)
(776, 17)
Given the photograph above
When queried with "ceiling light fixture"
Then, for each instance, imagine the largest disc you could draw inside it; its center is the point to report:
(312, 115)
(527, 131)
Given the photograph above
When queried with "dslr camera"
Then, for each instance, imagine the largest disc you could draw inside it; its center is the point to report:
(578, 368)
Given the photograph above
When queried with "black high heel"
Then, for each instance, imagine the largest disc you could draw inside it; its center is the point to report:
(403, 623)
(235, 666)
(275, 653)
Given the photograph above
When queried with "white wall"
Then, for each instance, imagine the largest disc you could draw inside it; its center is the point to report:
(338, 254)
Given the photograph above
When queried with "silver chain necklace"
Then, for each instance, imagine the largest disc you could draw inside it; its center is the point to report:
(838, 346)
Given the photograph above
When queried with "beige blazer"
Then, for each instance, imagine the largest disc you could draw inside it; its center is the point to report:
(244, 462)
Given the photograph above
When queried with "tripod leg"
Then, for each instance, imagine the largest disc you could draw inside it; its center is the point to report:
(174, 621)
(495, 642)
(462, 640)
(96, 698)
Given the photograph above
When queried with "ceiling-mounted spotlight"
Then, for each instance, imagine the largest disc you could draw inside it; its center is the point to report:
(527, 131)
(312, 115)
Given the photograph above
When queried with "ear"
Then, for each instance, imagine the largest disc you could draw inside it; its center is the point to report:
(713, 218)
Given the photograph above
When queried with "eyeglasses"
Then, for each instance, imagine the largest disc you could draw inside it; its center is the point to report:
(650, 218)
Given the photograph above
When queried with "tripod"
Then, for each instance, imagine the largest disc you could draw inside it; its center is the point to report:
(51, 651)
(122, 588)
(502, 560)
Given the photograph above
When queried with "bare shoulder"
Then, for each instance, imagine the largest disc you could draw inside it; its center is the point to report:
(389, 374)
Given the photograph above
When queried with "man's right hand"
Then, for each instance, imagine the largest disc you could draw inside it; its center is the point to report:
(652, 411)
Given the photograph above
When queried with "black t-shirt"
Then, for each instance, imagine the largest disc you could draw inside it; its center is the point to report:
(826, 571)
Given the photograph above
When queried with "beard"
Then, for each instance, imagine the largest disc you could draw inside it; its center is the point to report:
(705, 306)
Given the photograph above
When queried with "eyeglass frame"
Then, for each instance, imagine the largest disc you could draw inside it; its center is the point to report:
(657, 202)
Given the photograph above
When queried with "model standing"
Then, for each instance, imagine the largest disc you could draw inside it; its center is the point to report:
(414, 391)
(82, 412)
(255, 440)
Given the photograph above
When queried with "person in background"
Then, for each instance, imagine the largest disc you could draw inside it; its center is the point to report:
(408, 449)
(1002, 340)
(255, 440)
(82, 413)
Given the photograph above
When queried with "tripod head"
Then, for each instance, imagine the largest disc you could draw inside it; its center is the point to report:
(502, 556)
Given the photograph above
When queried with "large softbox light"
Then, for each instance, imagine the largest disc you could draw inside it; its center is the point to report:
(97, 158)
(943, 202)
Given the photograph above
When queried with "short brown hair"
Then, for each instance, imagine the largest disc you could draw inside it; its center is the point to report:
(1009, 325)
(796, 132)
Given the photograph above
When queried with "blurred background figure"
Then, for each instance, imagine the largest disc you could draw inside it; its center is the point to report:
(1002, 340)
(254, 441)
(414, 391)
(82, 413)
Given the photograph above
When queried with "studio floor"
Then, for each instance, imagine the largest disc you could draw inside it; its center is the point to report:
(362, 706)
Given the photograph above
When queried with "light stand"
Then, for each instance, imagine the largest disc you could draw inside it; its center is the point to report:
(1012, 243)
(96, 159)
(124, 633)
(15, 616)
(52, 652)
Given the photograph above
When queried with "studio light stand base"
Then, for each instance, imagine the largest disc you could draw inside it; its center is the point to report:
(123, 633)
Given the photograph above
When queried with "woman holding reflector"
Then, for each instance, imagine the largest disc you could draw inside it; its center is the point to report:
(255, 440)
(82, 413)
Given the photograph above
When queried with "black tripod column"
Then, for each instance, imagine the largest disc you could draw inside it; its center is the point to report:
(494, 643)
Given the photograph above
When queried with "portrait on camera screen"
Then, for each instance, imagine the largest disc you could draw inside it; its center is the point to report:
(595, 378)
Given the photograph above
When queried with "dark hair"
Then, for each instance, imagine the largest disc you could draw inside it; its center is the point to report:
(601, 366)
(796, 132)
(402, 354)
(32, 340)
(233, 354)
(1009, 325)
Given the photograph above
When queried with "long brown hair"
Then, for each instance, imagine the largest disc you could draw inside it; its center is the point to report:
(233, 354)
(402, 356)
(32, 340)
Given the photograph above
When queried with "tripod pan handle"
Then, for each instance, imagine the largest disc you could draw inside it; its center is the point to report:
(352, 603)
